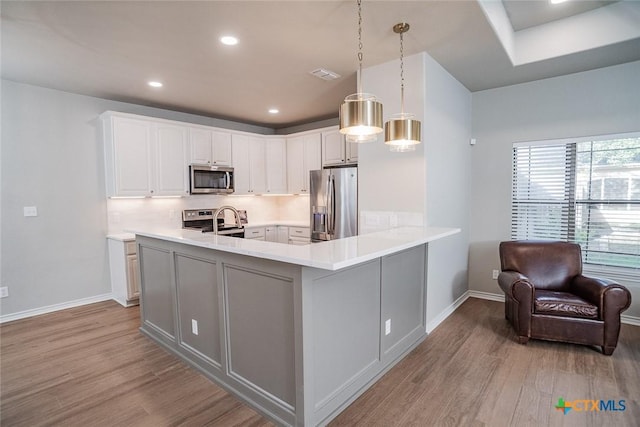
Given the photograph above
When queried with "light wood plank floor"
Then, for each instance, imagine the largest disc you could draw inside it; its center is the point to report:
(89, 366)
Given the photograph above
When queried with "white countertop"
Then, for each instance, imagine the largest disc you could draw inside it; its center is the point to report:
(272, 223)
(332, 255)
(123, 237)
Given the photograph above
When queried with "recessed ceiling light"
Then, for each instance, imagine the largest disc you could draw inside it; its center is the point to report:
(154, 84)
(557, 1)
(274, 110)
(229, 40)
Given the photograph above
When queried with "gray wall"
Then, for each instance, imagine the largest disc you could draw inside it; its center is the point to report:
(603, 101)
(52, 158)
(447, 130)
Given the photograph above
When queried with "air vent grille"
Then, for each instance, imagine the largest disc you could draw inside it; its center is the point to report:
(324, 74)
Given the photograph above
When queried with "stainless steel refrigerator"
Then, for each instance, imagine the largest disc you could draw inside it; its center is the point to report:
(334, 203)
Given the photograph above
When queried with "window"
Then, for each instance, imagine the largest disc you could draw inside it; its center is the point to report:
(585, 191)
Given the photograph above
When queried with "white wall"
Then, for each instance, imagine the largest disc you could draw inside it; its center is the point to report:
(447, 130)
(603, 101)
(431, 183)
(392, 184)
(52, 158)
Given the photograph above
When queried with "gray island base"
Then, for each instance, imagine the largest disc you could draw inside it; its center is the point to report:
(297, 343)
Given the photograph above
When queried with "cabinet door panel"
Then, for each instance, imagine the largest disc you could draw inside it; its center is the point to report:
(131, 146)
(258, 171)
(332, 148)
(171, 161)
(312, 156)
(133, 287)
(295, 165)
(200, 142)
(351, 149)
(241, 165)
(276, 159)
(221, 148)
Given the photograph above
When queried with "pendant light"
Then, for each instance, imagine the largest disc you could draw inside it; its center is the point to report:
(402, 132)
(360, 113)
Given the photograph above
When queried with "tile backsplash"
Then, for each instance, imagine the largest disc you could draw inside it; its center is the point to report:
(127, 214)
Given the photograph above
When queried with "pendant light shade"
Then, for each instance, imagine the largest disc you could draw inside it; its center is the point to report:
(360, 113)
(361, 117)
(402, 133)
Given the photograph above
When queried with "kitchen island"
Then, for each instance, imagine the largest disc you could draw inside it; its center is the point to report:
(298, 332)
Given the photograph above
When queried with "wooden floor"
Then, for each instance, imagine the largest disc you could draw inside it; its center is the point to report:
(89, 366)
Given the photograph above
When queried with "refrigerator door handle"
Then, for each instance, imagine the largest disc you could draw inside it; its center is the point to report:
(329, 206)
(332, 189)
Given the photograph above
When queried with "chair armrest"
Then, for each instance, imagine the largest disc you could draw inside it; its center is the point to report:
(609, 296)
(516, 285)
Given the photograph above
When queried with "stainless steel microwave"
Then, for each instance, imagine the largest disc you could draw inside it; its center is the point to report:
(208, 179)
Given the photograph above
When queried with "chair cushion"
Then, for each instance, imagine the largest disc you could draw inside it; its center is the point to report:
(563, 304)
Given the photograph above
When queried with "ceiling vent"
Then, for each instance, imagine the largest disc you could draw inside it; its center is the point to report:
(325, 74)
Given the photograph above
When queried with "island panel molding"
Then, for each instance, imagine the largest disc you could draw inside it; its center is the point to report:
(297, 342)
(260, 330)
(198, 306)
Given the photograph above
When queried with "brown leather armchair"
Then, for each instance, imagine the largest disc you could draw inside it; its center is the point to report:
(548, 298)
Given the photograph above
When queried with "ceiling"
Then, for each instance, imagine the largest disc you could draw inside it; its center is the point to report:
(111, 49)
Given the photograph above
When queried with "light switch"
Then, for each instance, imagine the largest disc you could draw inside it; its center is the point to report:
(30, 211)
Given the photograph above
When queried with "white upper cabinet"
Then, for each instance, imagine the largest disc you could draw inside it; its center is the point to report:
(276, 165)
(303, 155)
(170, 160)
(259, 164)
(144, 158)
(336, 151)
(248, 153)
(127, 144)
(210, 147)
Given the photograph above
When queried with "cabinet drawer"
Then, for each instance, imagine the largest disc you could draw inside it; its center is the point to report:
(130, 247)
(254, 233)
(299, 232)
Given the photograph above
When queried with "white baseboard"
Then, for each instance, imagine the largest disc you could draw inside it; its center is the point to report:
(54, 307)
(446, 312)
(628, 320)
(486, 295)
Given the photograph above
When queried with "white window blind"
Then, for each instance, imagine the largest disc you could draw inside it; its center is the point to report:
(585, 191)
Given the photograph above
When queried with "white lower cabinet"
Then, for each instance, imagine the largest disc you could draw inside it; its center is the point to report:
(271, 234)
(257, 233)
(283, 234)
(299, 235)
(123, 264)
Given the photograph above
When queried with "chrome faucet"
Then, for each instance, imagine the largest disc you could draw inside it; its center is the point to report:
(219, 211)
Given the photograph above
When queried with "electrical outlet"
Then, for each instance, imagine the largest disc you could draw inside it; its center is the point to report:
(4, 292)
(495, 274)
(194, 326)
(30, 211)
(387, 327)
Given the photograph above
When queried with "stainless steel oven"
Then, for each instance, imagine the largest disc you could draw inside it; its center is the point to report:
(202, 220)
(208, 179)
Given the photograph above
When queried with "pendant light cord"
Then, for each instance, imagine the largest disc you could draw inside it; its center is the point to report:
(359, 46)
(401, 74)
